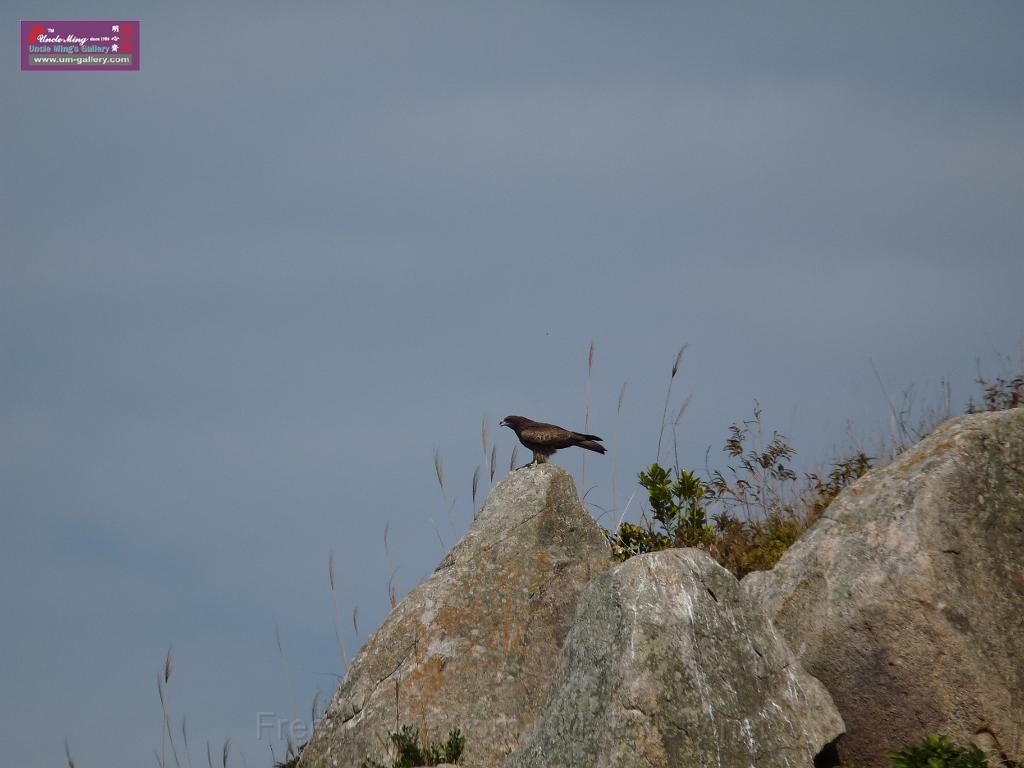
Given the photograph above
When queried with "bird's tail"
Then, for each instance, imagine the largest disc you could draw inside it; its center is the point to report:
(590, 445)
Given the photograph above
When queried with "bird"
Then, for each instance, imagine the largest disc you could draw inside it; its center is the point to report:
(544, 439)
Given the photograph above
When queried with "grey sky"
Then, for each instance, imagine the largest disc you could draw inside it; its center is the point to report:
(245, 292)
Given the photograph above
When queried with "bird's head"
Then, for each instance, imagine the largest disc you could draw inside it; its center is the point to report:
(512, 422)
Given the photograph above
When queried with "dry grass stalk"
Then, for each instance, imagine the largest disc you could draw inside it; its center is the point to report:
(897, 425)
(67, 753)
(449, 506)
(494, 462)
(184, 738)
(392, 594)
(287, 673)
(437, 532)
(512, 461)
(161, 679)
(675, 425)
(313, 708)
(586, 413)
(337, 612)
(668, 395)
(439, 468)
(615, 446)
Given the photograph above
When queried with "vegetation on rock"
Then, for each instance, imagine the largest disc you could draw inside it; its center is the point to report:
(999, 394)
(745, 517)
(748, 516)
(409, 753)
(937, 752)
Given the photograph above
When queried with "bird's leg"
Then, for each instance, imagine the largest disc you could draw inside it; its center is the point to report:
(539, 458)
(527, 464)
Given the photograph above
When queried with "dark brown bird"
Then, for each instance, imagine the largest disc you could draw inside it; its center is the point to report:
(544, 439)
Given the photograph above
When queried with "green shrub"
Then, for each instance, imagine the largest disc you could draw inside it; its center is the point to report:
(409, 753)
(937, 752)
(746, 516)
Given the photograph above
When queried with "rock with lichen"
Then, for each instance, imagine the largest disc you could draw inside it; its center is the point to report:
(474, 646)
(669, 663)
(907, 598)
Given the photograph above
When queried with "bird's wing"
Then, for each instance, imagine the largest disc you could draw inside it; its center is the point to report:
(548, 435)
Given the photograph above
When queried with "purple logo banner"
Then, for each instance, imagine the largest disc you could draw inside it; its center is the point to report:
(80, 45)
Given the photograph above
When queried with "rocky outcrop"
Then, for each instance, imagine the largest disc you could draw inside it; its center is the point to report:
(907, 598)
(669, 663)
(475, 645)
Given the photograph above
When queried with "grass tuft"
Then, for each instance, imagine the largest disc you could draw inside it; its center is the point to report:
(410, 751)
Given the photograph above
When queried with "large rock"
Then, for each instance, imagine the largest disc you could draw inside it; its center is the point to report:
(669, 663)
(907, 598)
(473, 646)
